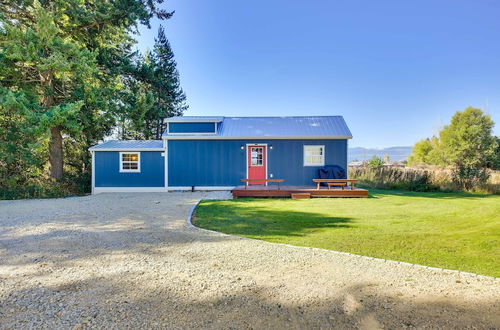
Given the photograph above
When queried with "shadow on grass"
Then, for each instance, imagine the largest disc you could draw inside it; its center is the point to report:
(239, 219)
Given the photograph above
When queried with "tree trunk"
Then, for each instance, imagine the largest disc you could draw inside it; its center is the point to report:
(56, 153)
(56, 141)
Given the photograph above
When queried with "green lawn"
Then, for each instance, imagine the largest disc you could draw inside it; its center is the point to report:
(449, 230)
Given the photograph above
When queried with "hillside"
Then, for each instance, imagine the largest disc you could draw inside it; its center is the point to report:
(395, 153)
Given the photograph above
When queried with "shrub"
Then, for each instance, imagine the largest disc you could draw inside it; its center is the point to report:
(392, 178)
(469, 178)
(429, 178)
(375, 162)
(42, 188)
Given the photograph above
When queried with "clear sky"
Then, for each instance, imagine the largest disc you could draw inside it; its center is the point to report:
(396, 70)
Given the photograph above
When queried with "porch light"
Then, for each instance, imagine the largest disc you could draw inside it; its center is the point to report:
(242, 147)
(271, 147)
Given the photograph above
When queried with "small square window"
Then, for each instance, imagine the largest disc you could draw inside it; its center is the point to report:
(314, 155)
(257, 156)
(130, 162)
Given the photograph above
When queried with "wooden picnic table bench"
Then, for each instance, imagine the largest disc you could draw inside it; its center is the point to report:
(335, 182)
(247, 181)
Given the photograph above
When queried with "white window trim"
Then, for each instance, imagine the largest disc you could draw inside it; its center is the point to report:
(314, 164)
(138, 170)
(251, 157)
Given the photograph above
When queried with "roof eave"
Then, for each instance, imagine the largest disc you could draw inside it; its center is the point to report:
(126, 149)
(194, 120)
(208, 137)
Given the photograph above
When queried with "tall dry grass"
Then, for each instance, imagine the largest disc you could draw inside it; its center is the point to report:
(430, 178)
(493, 184)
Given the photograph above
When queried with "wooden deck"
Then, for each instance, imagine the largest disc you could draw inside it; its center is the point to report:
(286, 191)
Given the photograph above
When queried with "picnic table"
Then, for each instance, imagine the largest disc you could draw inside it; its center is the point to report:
(247, 181)
(335, 182)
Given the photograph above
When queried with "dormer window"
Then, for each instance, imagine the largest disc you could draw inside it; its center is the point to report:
(193, 125)
(192, 128)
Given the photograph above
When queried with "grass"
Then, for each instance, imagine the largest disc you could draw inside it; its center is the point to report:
(450, 230)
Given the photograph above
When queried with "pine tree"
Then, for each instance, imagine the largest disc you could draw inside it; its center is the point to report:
(153, 92)
(43, 63)
(170, 98)
(62, 65)
(138, 100)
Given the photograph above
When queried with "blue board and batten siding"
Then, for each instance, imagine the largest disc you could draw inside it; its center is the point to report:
(215, 163)
(212, 152)
(108, 173)
(192, 128)
(223, 162)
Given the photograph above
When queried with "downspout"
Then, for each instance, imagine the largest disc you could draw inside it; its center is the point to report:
(165, 158)
(93, 172)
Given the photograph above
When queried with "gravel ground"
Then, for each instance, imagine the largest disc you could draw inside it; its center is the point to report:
(130, 261)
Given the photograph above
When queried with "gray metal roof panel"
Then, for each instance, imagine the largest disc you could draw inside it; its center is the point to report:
(278, 127)
(129, 145)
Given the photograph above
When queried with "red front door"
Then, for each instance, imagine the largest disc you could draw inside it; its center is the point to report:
(257, 163)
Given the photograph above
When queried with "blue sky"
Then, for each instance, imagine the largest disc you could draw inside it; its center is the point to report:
(396, 70)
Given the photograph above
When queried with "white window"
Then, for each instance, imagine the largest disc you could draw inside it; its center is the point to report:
(314, 155)
(130, 162)
(257, 156)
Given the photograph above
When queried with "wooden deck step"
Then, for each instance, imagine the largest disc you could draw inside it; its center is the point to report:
(286, 191)
(301, 195)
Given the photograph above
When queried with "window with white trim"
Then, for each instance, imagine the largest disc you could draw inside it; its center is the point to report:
(257, 156)
(314, 155)
(130, 161)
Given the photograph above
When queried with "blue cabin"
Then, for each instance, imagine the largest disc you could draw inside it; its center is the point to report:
(215, 153)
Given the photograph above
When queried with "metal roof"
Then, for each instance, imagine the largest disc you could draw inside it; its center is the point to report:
(298, 127)
(194, 119)
(151, 145)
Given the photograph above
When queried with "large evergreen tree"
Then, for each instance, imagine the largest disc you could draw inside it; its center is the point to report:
(170, 98)
(61, 68)
(39, 61)
(153, 91)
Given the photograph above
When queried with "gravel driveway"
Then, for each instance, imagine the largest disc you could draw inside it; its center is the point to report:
(130, 261)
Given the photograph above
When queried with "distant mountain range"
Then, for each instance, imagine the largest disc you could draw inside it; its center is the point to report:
(395, 153)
